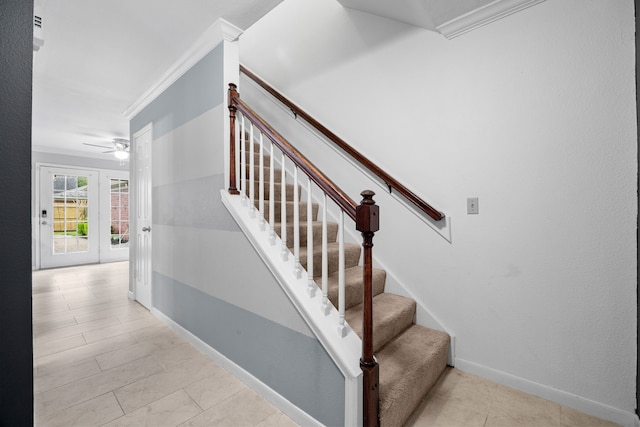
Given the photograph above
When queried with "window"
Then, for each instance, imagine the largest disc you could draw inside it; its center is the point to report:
(119, 213)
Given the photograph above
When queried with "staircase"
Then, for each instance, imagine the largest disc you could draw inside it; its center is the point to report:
(411, 357)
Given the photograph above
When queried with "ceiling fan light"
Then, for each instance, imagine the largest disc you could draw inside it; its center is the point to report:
(121, 154)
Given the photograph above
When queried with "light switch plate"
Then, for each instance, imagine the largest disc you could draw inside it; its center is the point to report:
(472, 205)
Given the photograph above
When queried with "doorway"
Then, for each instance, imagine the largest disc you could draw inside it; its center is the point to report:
(68, 217)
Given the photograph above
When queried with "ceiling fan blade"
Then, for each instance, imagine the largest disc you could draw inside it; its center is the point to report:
(110, 151)
(96, 145)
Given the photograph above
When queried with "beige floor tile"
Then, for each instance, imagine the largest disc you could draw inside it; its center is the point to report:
(90, 301)
(94, 412)
(115, 330)
(47, 307)
(177, 354)
(169, 411)
(129, 315)
(51, 317)
(62, 321)
(75, 329)
(68, 357)
(245, 408)
(126, 355)
(213, 389)
(515, 408)
(58, 345)
(278, 420)
(572, 418)
(460, 389)
(109, 311)
(440, 412)
(163, 383)
(80, 391)
(159, 334)
(59, 377)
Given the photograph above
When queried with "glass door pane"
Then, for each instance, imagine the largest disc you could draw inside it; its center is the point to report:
(119, 213)
(70, 213)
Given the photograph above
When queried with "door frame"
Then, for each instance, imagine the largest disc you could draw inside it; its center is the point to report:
(133, 212)
(35, 197)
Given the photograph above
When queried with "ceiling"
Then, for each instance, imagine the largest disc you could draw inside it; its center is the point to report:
(99, 56)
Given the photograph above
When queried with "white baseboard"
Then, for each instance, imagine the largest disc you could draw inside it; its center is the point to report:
(277, 400)
(132, 297)
(596, 409)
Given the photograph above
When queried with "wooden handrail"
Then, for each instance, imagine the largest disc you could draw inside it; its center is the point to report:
(390, 181)
(329, 187)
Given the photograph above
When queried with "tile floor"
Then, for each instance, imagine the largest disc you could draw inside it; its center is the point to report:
(103, 360)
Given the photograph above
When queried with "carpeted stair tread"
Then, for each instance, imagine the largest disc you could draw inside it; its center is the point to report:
(351, 257)
(392, 314)
(353, 285)
(409, 366)
(332, 232)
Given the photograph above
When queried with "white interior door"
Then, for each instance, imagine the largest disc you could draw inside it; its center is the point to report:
(143, 285)
(68, 217)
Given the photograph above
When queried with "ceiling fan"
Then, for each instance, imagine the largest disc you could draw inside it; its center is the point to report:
(120, 148)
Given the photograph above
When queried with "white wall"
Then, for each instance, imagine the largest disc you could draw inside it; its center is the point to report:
(535, 115)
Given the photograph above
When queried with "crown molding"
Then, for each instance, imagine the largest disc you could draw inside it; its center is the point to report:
(219, 31)
(482, 16)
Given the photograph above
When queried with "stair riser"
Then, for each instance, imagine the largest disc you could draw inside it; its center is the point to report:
(392, 314)
(332, 232)
(277, 176)
(351, 258)
(278, 211)
(277, 190)
(256, 157)
(353, 288)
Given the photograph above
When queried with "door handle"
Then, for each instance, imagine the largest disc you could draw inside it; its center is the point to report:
(44, 223)
(146, 228)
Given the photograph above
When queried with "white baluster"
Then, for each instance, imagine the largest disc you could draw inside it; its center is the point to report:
(311, 286)
(261, 184)
(252, 190)
(342, 328)
(283, 212)
(326, 306)
(272, 196)
(237, 144)
(243, 164)
(297, 269)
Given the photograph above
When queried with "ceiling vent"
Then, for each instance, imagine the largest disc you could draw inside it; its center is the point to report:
(38, 34)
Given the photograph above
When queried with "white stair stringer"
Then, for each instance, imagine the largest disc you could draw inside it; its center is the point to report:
(345, 352)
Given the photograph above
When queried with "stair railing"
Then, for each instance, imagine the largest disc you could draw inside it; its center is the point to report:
(247, 127)
(389, 181)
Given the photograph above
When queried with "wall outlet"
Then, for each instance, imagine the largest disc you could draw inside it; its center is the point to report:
(472, 205)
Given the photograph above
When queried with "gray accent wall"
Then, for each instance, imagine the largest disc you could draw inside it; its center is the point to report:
(293, 364)
(206, 275)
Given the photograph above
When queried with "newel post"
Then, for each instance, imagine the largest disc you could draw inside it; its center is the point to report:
(368, 222)
(233, 94)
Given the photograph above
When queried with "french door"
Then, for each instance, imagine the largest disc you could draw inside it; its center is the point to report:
(68, 217)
